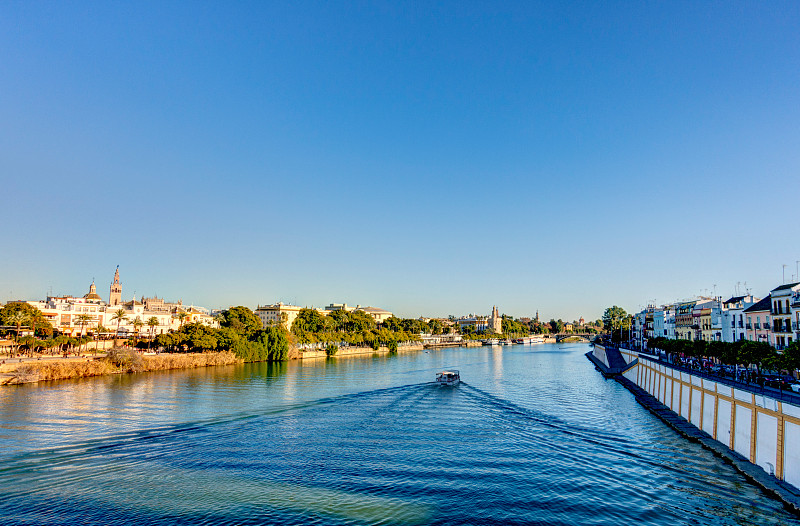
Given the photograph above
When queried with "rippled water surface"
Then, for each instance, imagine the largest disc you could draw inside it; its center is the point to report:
(532, 436)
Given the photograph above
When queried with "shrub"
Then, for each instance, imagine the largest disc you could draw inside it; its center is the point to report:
(31, 372)
(331, 349)
(376, 344)
(392, 345)
(127, 360)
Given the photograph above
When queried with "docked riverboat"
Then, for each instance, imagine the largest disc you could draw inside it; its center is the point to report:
(448, 377)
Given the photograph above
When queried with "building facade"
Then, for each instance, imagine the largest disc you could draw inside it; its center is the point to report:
(757, 321)
(277, 313)
(78, 316)
(733, 318)
(781, 299)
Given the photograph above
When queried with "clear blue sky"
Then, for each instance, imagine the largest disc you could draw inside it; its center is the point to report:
(428, 158)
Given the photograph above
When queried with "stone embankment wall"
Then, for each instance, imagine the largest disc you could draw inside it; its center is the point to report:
(763, 430)
(352, 351)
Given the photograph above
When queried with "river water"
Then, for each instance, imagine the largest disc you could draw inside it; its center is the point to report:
(533, 435)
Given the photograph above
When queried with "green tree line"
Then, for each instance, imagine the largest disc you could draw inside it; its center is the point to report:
(240, 331)
(358, 328)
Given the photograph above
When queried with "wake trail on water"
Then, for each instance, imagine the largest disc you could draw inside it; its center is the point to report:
(419, 407)
(111, 442)
(513, 414)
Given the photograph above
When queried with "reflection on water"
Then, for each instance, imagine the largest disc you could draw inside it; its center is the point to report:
(533, 435)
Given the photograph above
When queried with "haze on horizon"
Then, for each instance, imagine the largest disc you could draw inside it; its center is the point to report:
(427, 159)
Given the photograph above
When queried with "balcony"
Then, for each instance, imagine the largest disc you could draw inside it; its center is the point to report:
(749, 326)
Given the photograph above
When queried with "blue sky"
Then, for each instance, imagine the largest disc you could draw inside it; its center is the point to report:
(428, 158)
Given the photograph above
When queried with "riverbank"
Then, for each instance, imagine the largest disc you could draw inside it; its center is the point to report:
(31, 371)
(353, 351)
(17, 371)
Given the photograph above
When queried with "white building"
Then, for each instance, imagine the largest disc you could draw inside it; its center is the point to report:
(669, 321)
(781, 300)
(664, 322)
(76, 316)
(380, 315)
(733, 317)
(277, 313)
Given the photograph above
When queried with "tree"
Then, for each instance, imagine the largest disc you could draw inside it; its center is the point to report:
(181, 315)
(82, 320)
(227, 338)
(137, 325)
(755, 353)
(166, 341)
(242, 320)
(98, 330)
(337, 320)
(119, 316)
(308, 320)
(35, 317)
(152, 322)
(791, 356)
(331, 349)
(616, 320)
(29, 343)
(436, 327)
(17, 319)
(197, 337)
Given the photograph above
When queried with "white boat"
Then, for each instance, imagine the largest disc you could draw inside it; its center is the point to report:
(491, 341)
(448, 377)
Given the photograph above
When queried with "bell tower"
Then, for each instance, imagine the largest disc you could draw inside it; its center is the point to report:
(115, 295)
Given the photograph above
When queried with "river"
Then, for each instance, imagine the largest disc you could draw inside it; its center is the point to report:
(533, 435)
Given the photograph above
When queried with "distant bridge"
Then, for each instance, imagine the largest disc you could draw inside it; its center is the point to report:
(578, 337)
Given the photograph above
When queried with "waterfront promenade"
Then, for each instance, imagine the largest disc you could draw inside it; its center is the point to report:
(750, 425)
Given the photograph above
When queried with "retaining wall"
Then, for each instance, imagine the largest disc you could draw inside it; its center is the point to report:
(762, 429)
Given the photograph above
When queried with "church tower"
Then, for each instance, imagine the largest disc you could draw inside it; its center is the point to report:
(115, 296)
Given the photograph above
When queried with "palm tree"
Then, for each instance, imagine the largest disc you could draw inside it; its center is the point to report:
(137, 324)
(98, 330)
(18, 318)
(152, 322)
(118, 317)
(82, 320)
(182, 315)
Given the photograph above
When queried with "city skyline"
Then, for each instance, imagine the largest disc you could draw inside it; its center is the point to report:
(740, 289)
(430, 160)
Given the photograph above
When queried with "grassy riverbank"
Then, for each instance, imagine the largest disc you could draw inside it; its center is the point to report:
(28, 372)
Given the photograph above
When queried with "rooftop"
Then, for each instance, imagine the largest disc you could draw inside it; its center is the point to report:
(764, 304)
(787, 286)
